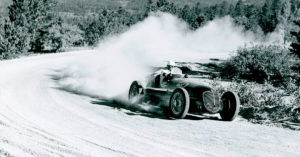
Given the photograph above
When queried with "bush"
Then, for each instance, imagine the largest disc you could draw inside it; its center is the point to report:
(62, 36)
(260, 64)
(13, 40)
(264, 103)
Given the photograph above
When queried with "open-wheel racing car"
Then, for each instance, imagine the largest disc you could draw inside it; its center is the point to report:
(183, 94)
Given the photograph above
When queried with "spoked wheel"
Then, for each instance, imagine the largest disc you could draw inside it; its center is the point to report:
(179, 103)
(231, 106)
(135, 92)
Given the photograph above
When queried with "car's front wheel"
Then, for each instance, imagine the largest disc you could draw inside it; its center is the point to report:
(231, 106)
(135, 92)
(179, 103)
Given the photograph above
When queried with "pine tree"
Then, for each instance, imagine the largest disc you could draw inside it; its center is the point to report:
(295, 47)
(231, 10)
(270, 15)
(13, 40)
(2, 39)
(196, 16)
(223, 8)
(285, 24)
(185, 13)
(149, 8)
(162, 3)
(93, 32)
(197, 9)
(35, 18)
(239, 9)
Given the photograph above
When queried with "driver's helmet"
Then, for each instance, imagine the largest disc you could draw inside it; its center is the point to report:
(173, 68)
(171, 64)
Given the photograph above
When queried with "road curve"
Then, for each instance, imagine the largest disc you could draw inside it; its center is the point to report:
(39, 119)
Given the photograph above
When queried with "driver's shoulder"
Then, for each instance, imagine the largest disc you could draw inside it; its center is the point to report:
(176, 70)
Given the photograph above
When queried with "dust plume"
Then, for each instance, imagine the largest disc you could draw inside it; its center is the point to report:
(119, 60)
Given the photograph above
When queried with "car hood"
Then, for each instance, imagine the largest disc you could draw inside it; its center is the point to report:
(193, 83)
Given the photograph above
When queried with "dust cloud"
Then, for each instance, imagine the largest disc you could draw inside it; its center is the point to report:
(118, 60)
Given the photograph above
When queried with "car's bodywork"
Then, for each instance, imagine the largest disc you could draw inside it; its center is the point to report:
(199, 97)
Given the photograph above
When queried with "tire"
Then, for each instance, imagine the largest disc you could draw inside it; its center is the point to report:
(135, 92)
(231, 106)
(179, 103)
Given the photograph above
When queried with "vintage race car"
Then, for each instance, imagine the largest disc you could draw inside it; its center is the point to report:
(183, 94)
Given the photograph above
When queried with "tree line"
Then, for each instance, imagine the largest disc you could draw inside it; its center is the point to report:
(36, 25)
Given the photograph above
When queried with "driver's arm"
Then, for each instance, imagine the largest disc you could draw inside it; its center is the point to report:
(168, 77)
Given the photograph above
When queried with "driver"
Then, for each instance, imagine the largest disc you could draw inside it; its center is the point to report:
(171, 66)
(166, 74)
(171, 69)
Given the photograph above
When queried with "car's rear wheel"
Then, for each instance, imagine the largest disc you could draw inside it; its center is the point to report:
(179, 103)
(135, 92)
(231, 106)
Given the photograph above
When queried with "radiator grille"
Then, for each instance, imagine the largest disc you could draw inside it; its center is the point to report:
(211, 102)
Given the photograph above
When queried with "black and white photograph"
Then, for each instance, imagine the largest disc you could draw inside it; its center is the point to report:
(149, 78)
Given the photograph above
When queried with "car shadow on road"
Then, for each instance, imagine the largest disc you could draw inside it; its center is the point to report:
(202, 117)
(153, 112)
(133, 110)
